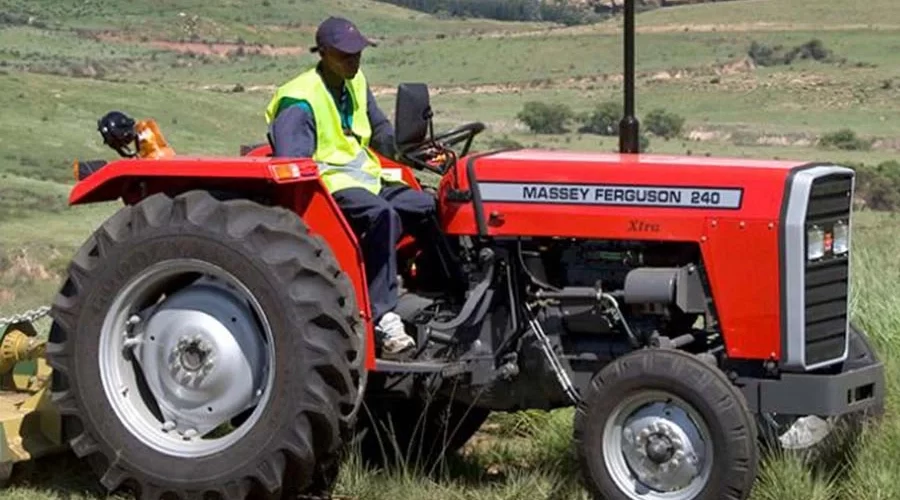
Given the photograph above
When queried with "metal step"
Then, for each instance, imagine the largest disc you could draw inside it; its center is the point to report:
(389, 365)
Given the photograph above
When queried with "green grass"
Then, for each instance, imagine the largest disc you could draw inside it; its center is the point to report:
(56, 80)
(38, 236)
(49, 120)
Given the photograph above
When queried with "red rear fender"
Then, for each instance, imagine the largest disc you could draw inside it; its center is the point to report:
(290, 183)
(324, 218)
(136, 178)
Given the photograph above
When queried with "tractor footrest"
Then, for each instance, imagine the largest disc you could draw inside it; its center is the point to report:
(384, 365)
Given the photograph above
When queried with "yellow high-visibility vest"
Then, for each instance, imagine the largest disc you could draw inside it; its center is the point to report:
(344, 161)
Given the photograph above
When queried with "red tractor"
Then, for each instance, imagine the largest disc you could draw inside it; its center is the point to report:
(214, 336)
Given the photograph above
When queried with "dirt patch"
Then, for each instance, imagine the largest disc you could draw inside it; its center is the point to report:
(207, 48)
(307, 29)
(891, 144)
(226, 49)
(784, 140)
(228, 88)
(21, 266)
(750, 138)
(704, 135)
(7, 296)
(743, 65)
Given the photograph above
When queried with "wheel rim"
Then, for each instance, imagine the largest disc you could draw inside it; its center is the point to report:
(185, 358)
(657, 447)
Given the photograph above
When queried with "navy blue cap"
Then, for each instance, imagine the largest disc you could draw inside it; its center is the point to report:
(341, 34)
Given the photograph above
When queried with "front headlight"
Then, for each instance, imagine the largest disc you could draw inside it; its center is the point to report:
(815, 243)
(841, 238)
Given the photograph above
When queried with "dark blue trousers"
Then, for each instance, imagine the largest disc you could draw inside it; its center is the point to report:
(379, 222)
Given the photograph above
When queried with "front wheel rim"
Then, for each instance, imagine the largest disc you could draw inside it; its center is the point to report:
(187, 373)
(657, 447)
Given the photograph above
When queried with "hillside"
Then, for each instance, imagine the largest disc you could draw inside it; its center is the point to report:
(816, 80)
(568, 12)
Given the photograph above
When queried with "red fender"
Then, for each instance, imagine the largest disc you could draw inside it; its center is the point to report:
(291, 182)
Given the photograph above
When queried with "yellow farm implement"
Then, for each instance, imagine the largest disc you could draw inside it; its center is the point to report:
(31, 424)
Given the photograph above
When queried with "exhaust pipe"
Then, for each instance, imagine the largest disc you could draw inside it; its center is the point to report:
(629, 128)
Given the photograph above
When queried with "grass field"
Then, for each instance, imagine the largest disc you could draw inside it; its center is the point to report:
(206, 76)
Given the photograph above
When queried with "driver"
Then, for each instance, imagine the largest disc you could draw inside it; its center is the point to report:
(328, 113)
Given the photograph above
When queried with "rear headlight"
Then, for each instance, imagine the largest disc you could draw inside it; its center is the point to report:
(841, 238)
(815, 243)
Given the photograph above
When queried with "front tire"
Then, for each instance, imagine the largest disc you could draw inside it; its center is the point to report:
(661, 424)
(206, 349)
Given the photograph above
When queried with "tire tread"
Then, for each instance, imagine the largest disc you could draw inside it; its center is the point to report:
(693, 380)
(296, 260)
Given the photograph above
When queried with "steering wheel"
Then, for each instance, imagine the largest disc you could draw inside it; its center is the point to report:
(436, 154)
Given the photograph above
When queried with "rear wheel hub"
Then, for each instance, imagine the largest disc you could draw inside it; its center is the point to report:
(659, 448)
(187, 361)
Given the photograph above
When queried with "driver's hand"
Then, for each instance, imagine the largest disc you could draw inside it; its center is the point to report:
(435, 155)
(437, 158)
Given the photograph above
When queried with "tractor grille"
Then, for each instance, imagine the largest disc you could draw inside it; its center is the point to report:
(826, 282)
(817, 292)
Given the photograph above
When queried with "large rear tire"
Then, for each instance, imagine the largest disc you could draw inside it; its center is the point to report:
(661, 424)
(207, 349)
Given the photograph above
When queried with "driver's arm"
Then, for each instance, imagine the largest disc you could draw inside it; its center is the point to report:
(382, 130)
(294, 132)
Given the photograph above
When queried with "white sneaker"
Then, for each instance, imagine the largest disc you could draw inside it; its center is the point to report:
(394, 337)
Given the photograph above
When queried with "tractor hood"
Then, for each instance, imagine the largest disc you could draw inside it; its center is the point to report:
(562, 193)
